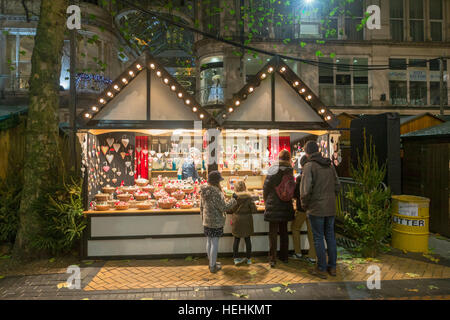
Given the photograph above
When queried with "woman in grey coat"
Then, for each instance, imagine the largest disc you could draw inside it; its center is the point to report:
(213, 209)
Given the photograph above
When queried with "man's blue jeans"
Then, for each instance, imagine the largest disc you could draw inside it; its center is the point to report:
(324, 227)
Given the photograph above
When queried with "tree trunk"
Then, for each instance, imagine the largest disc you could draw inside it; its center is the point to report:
(41, 146)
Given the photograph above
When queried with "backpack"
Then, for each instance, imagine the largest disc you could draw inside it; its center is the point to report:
(285, 190)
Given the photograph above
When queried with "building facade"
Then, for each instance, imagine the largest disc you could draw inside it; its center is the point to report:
(406, 80)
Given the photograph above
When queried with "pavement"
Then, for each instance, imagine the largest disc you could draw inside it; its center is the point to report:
(402, 276)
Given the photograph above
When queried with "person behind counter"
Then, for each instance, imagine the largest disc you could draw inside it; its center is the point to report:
(278, 212)
(242, 222)
(213, 209)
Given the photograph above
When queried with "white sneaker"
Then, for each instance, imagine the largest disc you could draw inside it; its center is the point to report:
(297, 256)
(238, 261)
(249, 261)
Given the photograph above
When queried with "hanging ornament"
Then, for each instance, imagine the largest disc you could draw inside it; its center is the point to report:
(130, 151)
(118, 173)
(131, 173)
(123, 154)
(105, 149)
(110, 141)
(114, 170)
(125, 142)
(138, 149)
(106, 167)
(116, 146)
(110, 158)
(114, 180)
(145, 151)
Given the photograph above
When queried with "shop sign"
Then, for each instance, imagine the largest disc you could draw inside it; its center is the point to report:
(408, 209)
(436, 76)
(397, 75)
(418, 76)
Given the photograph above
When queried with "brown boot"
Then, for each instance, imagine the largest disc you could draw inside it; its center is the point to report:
(332, 271)
(316, 272)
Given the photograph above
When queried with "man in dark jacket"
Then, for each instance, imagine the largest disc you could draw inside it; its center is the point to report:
(318, 190)
(278, 212)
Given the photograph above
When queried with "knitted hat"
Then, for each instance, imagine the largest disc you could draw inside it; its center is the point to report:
(214, 177)
(311, 147)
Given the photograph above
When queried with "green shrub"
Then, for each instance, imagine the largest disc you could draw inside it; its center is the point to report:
(10, 195)
(61, 210)
(369, 219)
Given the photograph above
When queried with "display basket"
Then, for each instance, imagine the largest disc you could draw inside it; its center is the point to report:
(148, 188)
(179, 195)
(102, 197)
(144, 206)
(102, 207)
(122, 206)
(141, 196)
(124, 197)
(108, 190)
(141, 182)
(186, 205)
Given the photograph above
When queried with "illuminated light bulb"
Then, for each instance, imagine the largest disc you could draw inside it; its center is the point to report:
(308, 97)
(94, 108)
(270, 69)
(116, 87)
(166, 81)
(230, 109)
(131, 73)
(194, 109)
(296, 83)
(152, 65)
(328, 117)
(138, 66)
(303, 90)
(173, 88)
(188, 101)
(322, 111)
(158, 73)
(180, 95)
(87, 115)
(250, 89)
(263, 76)
(237, 102)
(224, 116)
(109, 94)
(283, 69)
(125, 81)
(201, 116)
(102, 100)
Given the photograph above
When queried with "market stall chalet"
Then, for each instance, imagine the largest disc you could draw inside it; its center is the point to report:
(145, 133)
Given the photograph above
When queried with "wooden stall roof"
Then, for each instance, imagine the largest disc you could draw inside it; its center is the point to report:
(442, 130)
(418, 122)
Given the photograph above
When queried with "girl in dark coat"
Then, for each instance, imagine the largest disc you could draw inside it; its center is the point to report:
(242, 221)
(278, 212)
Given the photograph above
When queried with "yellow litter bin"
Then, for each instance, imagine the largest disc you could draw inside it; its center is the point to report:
(410, 223)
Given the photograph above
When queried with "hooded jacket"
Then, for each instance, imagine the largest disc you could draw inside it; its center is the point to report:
(276, 209)
(213, 206)
(242, 219)
(319, 186)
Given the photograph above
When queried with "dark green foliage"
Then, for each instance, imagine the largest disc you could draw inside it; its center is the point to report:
(369, 219)
(10, 193)
(61, 211)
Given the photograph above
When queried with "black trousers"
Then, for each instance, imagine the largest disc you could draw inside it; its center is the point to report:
(248, 247)
(274, 228)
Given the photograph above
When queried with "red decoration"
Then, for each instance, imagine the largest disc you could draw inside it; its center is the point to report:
(275, 146)
(141, 158)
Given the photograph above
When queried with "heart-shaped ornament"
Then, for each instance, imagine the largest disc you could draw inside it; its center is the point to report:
(166, 154)
(114, 170)
(153, 153)
(125, 142)
(108, 180)
(109, 157)
(138, 149)
(110, 141)
(105, 149)
(131, 173)
(130, 151)
(118, 173)
(123, 154)
(116, 146)
(159, 155)
(145, 152)
(114, 180)
(101, 182)
(106, 168)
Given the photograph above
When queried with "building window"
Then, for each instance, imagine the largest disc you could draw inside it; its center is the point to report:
(398, 92)
(416, 18)
(353, 17)
(436, 22)
(211, 16)
(396, 18)
(435, 89)
(19, 49)
(347, 85)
